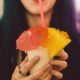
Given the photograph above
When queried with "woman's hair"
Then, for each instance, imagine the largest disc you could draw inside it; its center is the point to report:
(14, 23)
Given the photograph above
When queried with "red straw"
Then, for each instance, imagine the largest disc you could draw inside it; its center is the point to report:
(42, 14)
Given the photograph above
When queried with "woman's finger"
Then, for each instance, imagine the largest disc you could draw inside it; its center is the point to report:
(58, 64)
(16, 71)
(57, 74)
(24, 67)
(41, 72)
(24, 61)
(62, 55)
(28, 65)
(48, 76)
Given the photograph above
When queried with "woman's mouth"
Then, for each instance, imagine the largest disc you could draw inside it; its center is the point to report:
(37, 1)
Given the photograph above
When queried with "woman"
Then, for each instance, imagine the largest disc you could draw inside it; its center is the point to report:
(19, 15)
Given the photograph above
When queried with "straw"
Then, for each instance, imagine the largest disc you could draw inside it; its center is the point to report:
(42, 14)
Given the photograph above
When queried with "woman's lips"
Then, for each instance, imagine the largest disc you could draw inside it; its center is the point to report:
(37, 1)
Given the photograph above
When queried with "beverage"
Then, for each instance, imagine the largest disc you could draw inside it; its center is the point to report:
(44, 58)
(45, 44)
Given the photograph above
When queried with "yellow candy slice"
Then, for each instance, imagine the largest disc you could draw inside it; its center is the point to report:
(56, 41)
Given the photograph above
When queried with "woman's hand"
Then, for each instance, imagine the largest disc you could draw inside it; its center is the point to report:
(24, 68)
(59, 63)
(45, 73)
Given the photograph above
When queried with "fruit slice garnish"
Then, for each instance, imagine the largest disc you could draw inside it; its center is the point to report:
(56, 41)
(32, 38)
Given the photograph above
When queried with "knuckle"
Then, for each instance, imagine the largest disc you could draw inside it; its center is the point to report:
(33, 78)
(25, 69)
(65, 64)
(45, 69)
(33, 61)
(42, 71)
(60, 75)
(57, 74)
(15, 78)
(66, 56)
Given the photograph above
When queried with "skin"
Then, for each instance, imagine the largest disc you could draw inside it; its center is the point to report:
(46, 72)
(34, 8)
(55, 66)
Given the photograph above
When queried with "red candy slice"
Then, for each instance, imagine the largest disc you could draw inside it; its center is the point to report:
(32, 38)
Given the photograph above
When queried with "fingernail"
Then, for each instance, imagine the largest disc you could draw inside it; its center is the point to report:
(50, 62)
(49, 65)
(37, 57)
(26, 58)
(60, 75)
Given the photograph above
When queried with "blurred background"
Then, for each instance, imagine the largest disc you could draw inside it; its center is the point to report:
(77, 8)
(1, 7)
